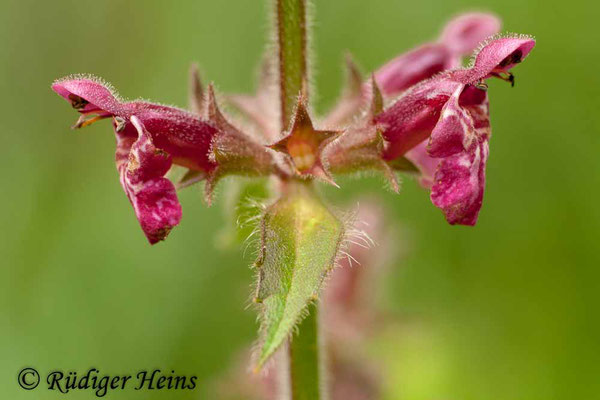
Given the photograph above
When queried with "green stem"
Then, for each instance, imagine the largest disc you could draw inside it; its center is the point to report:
(291, 46)
(304, 356)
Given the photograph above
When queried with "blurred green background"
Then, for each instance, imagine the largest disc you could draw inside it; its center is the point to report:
(505, 310)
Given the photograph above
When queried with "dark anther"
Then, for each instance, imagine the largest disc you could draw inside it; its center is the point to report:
(77, 102)
(513, 58)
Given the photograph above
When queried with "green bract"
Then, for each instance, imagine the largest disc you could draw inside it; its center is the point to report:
(300, 241)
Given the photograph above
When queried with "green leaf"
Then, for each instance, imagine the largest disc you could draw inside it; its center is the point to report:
(300, 242)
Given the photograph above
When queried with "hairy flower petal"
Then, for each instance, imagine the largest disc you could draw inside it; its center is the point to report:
(459, 184)
(88, 94)
(180, 133)
(413, 116)
(413, 67)
(142, 171)
(497, 56)
(183, 135)
(459, 180)
(453, 130)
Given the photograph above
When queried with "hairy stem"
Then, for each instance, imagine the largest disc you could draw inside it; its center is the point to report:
(304, 351)
(304, 358)
(291, 46)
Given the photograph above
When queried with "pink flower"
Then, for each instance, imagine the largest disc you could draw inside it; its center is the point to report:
(459, 38)
(451, 109)
(150, 138)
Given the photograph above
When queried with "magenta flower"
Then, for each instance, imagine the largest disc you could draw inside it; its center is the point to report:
(150, 137)
(452, 110)
(459, 38)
